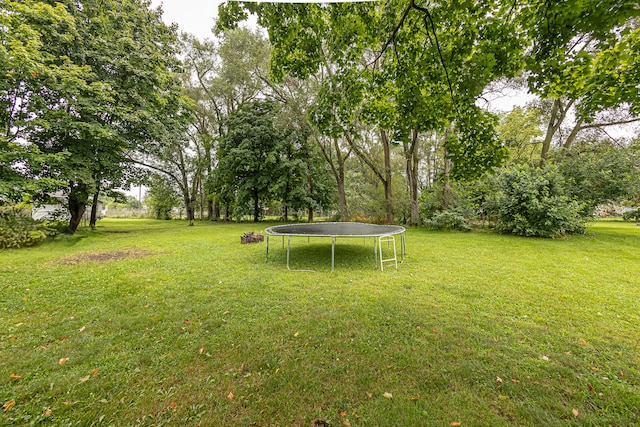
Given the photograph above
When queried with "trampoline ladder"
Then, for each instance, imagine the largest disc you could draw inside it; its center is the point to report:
(389, 240)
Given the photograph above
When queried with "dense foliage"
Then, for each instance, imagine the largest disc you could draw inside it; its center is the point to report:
(374, 109)
(90, 81)
(18, 230)
(533, 202)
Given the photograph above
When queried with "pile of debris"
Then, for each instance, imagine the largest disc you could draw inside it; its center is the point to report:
(251, 237)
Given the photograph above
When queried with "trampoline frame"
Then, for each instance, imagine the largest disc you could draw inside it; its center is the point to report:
(385, 233)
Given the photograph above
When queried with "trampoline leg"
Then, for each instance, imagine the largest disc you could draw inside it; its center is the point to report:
(375, 251)
(267, 256)
(333, 252)
(288, 250)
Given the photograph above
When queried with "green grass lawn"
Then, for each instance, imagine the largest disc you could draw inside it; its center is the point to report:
(149, 323)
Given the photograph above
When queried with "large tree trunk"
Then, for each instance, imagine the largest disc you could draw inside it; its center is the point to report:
(412, 161)
(216, 210)
(558, 114)
(77, 205)
(256, 207)
(388, 196)
(94, 210)
(310, 181)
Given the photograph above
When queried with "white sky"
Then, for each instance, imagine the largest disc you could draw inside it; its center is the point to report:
(192, 16)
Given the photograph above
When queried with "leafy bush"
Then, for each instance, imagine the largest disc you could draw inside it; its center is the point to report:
(632, 215)
(18, 230)
(531, 202)
(449, 219)
(456, 216)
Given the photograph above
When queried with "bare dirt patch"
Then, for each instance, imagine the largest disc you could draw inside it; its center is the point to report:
(104, 256)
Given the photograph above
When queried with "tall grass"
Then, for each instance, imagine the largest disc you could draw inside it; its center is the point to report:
(155, 323)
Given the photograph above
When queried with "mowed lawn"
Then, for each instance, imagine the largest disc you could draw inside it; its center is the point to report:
(148, 323)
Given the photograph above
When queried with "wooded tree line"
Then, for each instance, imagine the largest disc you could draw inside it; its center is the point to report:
(372, 108)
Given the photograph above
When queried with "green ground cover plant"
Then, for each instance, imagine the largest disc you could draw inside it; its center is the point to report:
(149, 323)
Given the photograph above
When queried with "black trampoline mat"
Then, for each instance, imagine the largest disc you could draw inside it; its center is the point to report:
(334, 229)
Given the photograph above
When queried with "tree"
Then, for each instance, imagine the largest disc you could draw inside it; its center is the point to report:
(248, 157)
(599, 172)
(584, 59)
(402, 68)
(27, 29)
(220, 76)
(120, 95)
(161, 197)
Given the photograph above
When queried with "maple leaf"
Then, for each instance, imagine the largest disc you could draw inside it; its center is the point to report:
(387, 395)
(343, 413)
(10, 404)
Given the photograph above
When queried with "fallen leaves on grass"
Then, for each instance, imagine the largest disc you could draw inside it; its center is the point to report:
(85, 379)
(173, 406)
(95, 372)
(545, 358)
(575, 413)
(62, 361)
(454, 424)
(10, 404)
(14, 376)
(230, 396)
(201, 350)
(499, 379)
(387, 395)
(47, 412)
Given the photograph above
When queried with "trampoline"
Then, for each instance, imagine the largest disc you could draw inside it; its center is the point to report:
(380, 234)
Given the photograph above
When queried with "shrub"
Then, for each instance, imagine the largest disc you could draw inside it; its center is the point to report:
(531, 202)
(449, 219)
(632, 215)
(456, 216)
(18, 230)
